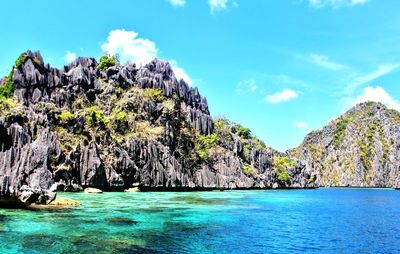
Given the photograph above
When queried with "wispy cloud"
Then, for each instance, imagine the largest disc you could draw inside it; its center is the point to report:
(177, 3)
(325, 62)
(349, 79)
(246, 86)
(69, 57)
(282, 96)
(300, 125)
(335, 3)
(282, 80)
(220, 5)
(131, 48)
(360, 80)
(376, 94)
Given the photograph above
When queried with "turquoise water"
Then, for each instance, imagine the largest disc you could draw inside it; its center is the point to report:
(281, 221)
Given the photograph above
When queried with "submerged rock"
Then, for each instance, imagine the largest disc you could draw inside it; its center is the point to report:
(57, 204)
(122, 221)
(59, 201)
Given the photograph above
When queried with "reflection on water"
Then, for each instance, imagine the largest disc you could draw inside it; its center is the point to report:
(297, 221)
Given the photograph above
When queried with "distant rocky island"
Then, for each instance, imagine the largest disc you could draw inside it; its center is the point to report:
(112, 126)
(360, 148)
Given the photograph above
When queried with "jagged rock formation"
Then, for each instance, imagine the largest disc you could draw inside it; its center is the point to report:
(360, 148)
(120, 126)
(25, 165)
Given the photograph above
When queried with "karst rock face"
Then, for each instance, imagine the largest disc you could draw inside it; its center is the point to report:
(360, 148)
(119, 127)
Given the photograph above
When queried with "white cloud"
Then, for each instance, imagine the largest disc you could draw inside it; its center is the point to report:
(69, 57)
(246, 86)
(300, 125)
(325, 62)
(220, 5)
(217, 5)
(363, 79)
(377, 94)
(284, 95)
(131, 48)
(177, 3)
(335, 3)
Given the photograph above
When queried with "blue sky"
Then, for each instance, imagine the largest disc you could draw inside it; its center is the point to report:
(281, 68)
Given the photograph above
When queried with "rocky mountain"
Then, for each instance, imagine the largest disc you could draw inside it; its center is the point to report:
(360, 148)
(112, 126)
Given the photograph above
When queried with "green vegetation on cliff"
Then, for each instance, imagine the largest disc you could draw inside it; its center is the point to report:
(95, 116)
(340, 131)
(204, 144)
(21, 60)
(7, 88)
(241, 131)
(107, 61)
(281, 165)
(65, 116)
(154, 95)
(249, 170)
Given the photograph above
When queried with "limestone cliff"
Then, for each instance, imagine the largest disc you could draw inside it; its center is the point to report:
(360, 148)
(114, 126)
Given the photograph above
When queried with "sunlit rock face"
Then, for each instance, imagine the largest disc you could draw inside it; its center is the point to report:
(360, 148)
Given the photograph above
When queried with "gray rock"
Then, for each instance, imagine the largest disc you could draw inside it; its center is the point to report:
(25, 170)
(360, 148)
(92, 172)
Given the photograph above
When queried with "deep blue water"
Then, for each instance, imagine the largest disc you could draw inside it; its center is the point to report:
(272, 221)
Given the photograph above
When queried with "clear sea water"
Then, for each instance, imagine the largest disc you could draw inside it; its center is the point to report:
(271, 221)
